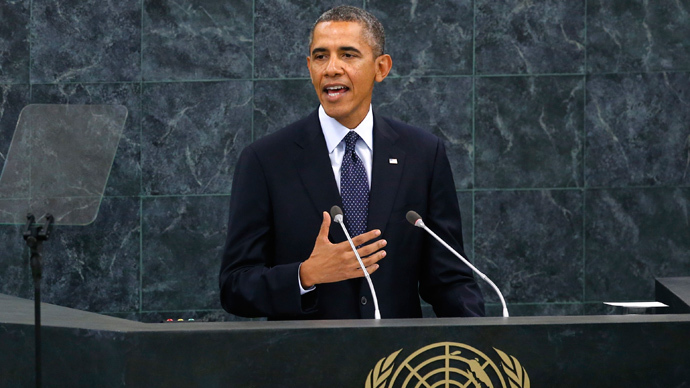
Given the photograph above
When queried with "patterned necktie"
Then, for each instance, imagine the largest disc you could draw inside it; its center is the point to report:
(354, 188)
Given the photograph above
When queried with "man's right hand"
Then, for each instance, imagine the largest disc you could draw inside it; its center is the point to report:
(329, 263)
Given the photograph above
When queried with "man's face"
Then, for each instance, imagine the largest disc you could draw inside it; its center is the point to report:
(343, 70)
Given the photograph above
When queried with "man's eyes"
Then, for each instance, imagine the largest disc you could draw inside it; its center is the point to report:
(343, 55)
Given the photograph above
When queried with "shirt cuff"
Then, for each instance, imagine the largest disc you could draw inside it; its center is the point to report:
(302, 291)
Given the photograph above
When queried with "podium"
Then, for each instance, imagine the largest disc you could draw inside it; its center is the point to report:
(84, 349)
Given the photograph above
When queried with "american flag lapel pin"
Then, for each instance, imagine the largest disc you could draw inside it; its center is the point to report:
(392, 161)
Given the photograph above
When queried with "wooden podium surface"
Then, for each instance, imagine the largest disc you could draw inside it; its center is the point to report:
(82, 349)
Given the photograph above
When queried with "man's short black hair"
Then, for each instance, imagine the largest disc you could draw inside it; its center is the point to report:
(345, 13)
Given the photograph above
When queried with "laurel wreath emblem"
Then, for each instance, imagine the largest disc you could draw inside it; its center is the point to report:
(379, 375)
(516, 374)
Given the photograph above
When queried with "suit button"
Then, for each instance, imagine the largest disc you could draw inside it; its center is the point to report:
(364, 300)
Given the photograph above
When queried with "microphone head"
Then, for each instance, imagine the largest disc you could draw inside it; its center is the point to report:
(337, 213)
(413, 217)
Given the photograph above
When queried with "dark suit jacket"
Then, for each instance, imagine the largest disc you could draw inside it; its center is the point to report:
(282, 184)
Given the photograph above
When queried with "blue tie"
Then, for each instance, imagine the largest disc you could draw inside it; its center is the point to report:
(354, 188)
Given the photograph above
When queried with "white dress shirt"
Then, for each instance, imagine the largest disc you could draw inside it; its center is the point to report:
(334, 133)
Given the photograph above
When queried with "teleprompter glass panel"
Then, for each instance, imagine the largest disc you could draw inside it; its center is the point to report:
(59, 162)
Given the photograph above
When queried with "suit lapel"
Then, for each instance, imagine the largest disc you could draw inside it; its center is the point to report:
(389, 161)
(316, 173)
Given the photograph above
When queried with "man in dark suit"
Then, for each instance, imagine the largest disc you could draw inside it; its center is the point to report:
(282, 260)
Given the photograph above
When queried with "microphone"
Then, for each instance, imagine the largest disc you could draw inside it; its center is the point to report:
(337, 215)
(416, 220)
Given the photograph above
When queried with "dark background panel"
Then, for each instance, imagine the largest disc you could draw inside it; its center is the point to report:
(637, 35)
(182, 239)
(530, 244)
(14, 264)
(637, 130)
(200, 39)
(192, 134)
(554, 168)
(271, 112)
(85, 41)
(93, 267)
(441, 106)
(518, 37)
(633, 236)
(14, 41)
(427, 37)
(537, 142)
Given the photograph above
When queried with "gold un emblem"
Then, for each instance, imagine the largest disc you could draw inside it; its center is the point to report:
(448, 364)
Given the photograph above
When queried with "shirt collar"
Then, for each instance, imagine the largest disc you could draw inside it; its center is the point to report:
(334, 132)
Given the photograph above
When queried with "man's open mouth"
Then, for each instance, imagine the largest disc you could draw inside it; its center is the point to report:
(334, 91)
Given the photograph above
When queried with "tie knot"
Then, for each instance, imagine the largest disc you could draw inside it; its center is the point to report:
(350, 141)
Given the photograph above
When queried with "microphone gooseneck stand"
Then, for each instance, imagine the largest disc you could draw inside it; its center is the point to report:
(415, 219)
(337, 215)
(35, 235)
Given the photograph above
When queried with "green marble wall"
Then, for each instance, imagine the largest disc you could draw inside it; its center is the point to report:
(566, 124)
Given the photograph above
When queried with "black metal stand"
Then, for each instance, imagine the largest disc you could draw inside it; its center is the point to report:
(35, 235)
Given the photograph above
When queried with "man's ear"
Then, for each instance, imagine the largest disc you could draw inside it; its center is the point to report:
(384, 64)
(309, 68)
